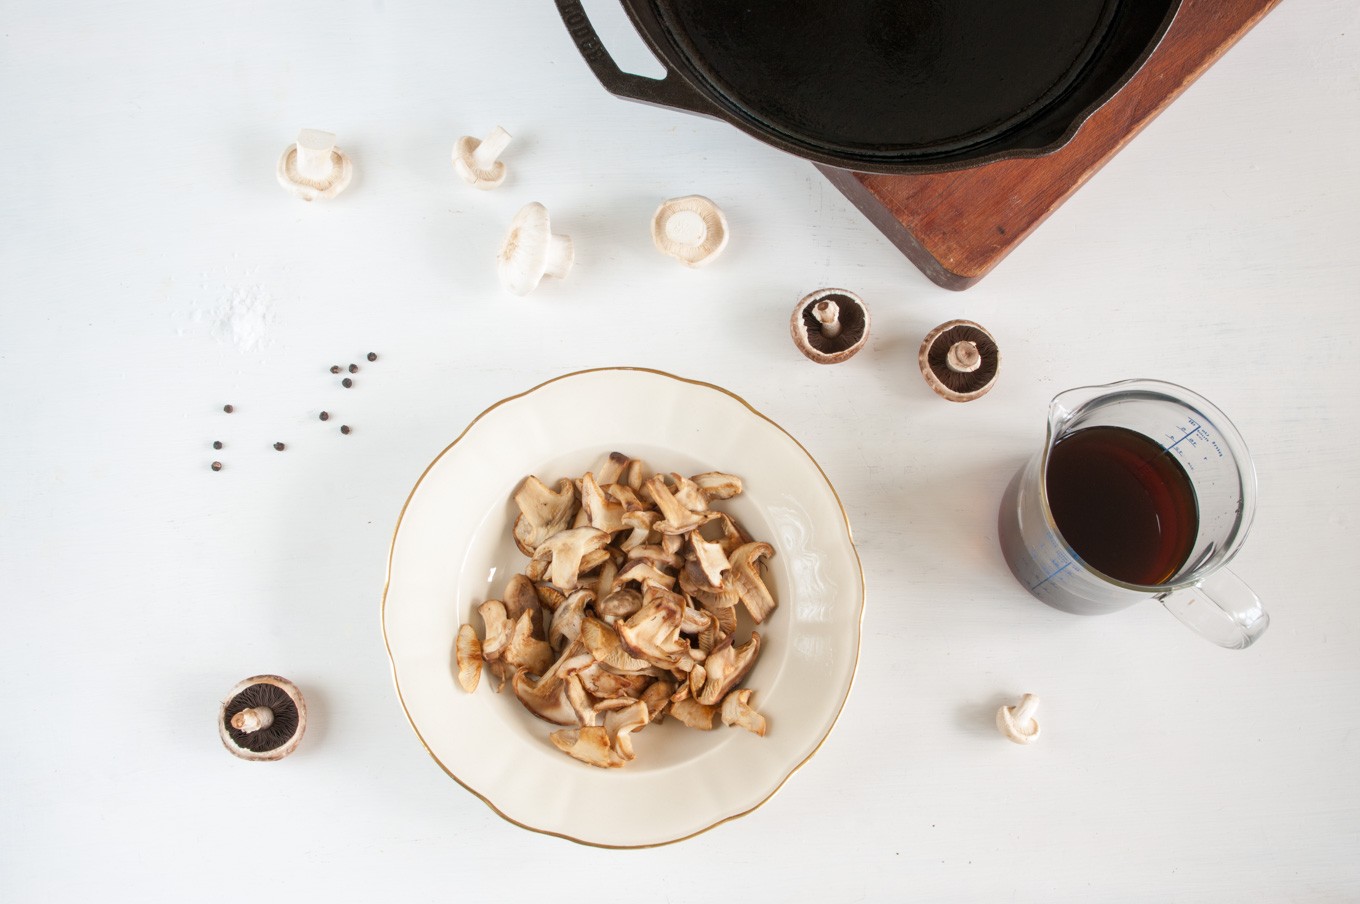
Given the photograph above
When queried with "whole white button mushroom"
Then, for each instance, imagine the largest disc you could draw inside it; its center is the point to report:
(314, 169)
(530, 250)
(475, 161)
(1017, 723)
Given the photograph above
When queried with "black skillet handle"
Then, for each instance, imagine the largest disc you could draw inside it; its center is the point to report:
(671, 91)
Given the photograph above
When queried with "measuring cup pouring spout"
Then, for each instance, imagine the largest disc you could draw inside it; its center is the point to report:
(1143, 490)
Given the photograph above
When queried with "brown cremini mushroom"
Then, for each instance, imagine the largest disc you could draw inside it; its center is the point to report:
(960, 360)
(830, 325)
(262, 718)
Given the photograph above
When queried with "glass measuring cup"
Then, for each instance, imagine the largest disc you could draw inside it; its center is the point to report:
(1200, 591)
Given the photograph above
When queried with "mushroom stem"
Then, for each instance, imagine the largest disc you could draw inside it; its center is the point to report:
(1023, 714)
(963, 357)
(490, 148)
(314, 149)
(256, 719)
(686, 227)
(560, 256)
(828, 314)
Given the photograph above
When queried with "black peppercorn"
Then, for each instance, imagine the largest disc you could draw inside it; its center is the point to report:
(354, 368)
(344, 429)
(373, 356)
(228, 409)
(217, 444)
(217, 466)
(347, 382)
(325, 416)
(335, 368)
(278, 447)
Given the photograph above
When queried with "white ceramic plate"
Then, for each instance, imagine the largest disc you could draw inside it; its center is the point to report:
(452, 550)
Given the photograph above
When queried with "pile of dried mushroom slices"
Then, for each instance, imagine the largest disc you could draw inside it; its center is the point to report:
(627, 609)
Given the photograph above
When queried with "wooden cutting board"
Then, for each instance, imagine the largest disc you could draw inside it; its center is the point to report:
(957, 226)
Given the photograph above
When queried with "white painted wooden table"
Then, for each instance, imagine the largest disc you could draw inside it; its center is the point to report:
(151, 270)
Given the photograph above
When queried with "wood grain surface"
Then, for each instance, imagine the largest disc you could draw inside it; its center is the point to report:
(957, 226)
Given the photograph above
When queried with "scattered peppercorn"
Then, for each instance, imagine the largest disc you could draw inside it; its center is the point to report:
(278, 447)
(354, 368)
(217, 466)
(373, 356)
(335, 368)
(344, 429)
(217, 444)
(347, 382)
(325, 416)
(228, 409)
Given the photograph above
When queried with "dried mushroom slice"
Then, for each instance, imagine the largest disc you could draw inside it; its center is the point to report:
(606, 647)
(676, 519)
(716, 485)
(607, 685)
(468, 654)
(612, 468)
(619, 604)
(620, 724)
(499, 627)
(726, 666)
(712, 562)
(524, 651)
(746, 579)
(543, 512)
(694, 714)
(657, 696)
(566, 621)
(565, 551)
(589, 745)
(736, 710)
(546, 698)
(520, 596)
(605, 514)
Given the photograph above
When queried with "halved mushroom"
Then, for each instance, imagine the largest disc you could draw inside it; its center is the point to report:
(498, 628)
(619, 604)
(608, 685)
(653, 632)
(676, 518)
(543, 512)
(736, 710)
(657, 696)
(689, 494)
(746, 579)
(642, 524)
(606, 647)
(520, 596)
(612, 468)
(620, 724)
(565, 550)
(717, 485)
(468, 653)
(566, 621)
(524, 651)
(605, 514)
(546, 698)
(645, 573)
(589, 745)
(711, 560)
(694, 714)
(726, 665)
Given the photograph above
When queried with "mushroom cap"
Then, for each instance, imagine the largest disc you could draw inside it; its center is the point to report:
(277, 740)
(523, 256)
(806, 329)
(957, 377)
(467, 167)
(691, 229)
(342, 171)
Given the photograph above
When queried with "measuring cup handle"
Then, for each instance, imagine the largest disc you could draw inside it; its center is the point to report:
(1220, 608)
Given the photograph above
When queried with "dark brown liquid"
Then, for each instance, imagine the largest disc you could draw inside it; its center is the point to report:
(1123, 503)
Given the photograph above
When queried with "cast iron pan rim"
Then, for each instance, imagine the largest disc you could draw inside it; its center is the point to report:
(894, 162)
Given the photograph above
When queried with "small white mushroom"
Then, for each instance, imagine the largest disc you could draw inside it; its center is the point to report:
(1017, 723)
(314, 169)
(530, 250)
(691, 229)
(475, 161)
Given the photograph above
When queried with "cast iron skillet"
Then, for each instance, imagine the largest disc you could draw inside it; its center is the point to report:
(887, 86)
